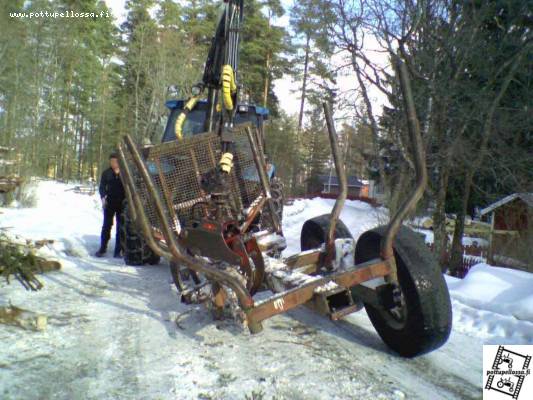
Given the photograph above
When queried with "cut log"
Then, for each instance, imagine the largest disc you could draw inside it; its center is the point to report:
(43, 242)
(25, 319)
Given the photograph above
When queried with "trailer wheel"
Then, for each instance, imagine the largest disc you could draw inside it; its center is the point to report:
(423, 322)
(314, 232)
(136, 250)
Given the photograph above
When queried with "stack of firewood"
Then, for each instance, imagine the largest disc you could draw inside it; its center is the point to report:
(9, 181)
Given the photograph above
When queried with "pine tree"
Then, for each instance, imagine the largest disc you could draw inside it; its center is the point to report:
(311, 48)
(140, 35)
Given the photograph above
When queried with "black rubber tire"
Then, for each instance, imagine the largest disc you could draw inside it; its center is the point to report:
(134, 247)
(314, 232)
(427, 320)
(276, 189)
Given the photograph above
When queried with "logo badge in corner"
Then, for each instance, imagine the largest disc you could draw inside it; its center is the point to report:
(507, 373)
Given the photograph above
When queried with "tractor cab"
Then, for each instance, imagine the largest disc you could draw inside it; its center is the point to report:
(195, 121)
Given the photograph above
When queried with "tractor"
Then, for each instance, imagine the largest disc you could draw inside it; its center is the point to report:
(507, 383)
(195, 116)
(135, 248)
(206, 199)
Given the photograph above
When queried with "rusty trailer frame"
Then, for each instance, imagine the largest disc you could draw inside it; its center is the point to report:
(324, 278)
(316, 264)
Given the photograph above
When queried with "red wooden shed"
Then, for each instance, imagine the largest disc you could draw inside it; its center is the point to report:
(511, 238)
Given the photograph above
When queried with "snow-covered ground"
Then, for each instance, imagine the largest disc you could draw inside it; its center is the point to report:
(495, 304)
(119, 332)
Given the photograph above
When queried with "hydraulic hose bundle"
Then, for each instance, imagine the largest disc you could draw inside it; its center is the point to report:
(220, 75)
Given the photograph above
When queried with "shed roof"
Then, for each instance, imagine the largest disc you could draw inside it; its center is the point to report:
(525, 197)
(353, 181)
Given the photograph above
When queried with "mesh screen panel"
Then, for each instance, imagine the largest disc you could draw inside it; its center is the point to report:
(176, 168)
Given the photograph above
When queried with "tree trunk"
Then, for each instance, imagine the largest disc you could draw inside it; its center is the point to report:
(457, 249)
(267, 66)
(456, 259)
(81, 151)
(440, 236)
(65, 127)
(267, 80)
(399, 191)
(373, 122)
(304, 84)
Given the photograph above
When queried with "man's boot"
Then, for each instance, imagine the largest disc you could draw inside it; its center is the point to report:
(118, 248)
(102, 250)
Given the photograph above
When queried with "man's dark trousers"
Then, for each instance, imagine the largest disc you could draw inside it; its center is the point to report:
(110, 212)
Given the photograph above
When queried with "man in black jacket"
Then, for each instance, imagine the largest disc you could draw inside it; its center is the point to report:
(112, 195)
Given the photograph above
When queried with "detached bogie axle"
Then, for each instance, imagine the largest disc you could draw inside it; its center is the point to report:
(222, 233)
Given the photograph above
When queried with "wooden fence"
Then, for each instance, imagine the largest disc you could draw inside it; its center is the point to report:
(472, 255)
(373, 202)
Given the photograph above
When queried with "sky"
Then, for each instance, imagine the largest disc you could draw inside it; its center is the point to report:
(285, 88)
(117, 6)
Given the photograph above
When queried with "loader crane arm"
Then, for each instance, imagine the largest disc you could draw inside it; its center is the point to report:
(220, 72)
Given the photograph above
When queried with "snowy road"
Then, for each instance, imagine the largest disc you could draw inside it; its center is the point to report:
(119, 332)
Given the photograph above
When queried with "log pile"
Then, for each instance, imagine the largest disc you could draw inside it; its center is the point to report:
(8, 180)
(9, 183)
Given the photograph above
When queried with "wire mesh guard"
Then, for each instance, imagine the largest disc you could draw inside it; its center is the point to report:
(176, 169)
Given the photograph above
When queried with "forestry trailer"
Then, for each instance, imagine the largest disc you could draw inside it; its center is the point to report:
(206, 199)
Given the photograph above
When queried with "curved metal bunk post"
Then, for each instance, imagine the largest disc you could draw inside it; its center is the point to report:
(343, 184)
(419, 158)
(137, 207)
(177, 251)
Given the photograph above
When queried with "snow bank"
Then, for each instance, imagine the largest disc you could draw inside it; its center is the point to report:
(494, 303)
(357, 215)
(72, 220)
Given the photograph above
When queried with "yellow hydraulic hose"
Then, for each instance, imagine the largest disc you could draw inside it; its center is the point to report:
(183, 115)
(229, 87)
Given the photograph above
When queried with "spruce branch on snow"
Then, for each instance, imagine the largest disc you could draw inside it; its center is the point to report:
(20, 260)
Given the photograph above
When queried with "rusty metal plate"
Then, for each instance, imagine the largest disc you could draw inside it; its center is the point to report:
(285, 301)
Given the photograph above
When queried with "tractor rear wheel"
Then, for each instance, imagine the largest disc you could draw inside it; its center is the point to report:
(136, 250)
(423, 320)
(276, 191)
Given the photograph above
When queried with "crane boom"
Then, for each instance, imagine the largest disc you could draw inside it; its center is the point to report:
(220, 73)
